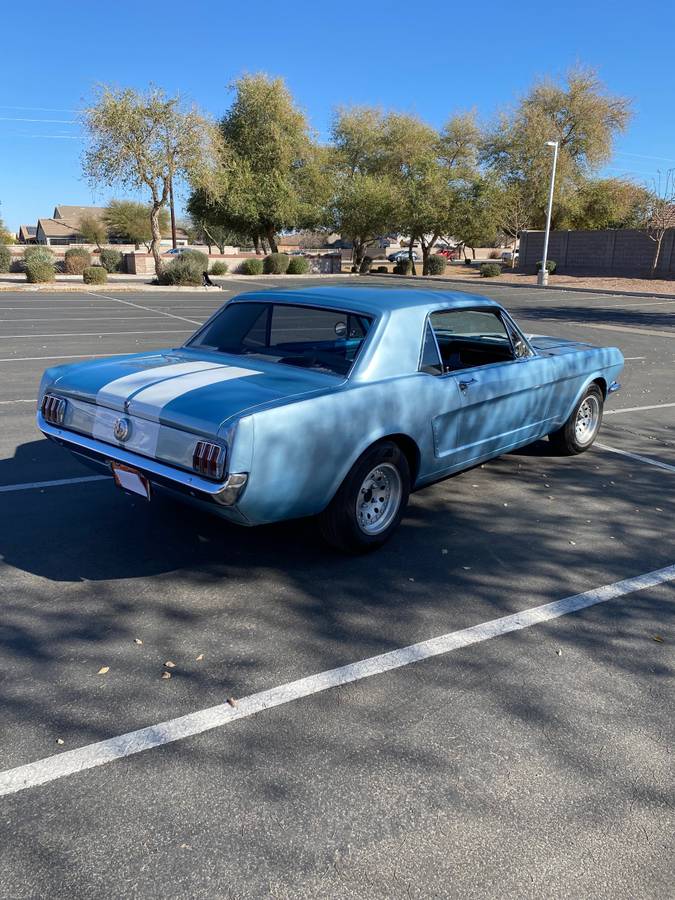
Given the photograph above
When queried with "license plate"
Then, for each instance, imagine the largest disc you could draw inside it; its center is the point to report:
(131, 480)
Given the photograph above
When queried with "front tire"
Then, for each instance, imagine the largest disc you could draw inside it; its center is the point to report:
(370, 502)
(581, 429)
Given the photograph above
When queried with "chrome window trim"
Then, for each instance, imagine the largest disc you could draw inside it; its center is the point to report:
(427, 324)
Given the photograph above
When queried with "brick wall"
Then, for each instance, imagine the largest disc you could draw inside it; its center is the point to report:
(607, 252)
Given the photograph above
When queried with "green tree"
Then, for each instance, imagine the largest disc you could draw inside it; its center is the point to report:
(607, 203)
(93, 230)
(579, 114)
(129, 221)
(5, 236)
(476, 217)
(146, 141)
(272, 176)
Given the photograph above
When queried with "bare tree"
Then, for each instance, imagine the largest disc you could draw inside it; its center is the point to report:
(660, 213)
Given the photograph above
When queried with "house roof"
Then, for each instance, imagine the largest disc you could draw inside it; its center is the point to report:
(27, 231)
(75, 213)
(57, 228)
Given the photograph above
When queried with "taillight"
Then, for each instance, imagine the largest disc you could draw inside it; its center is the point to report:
(53, 409)
(208, 459)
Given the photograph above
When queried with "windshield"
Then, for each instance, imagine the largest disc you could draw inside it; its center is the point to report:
(328, 340)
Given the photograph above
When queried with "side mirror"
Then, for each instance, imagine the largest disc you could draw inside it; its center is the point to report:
(520, 348)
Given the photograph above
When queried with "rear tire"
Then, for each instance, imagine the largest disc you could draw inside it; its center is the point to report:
(370, 502)
(581, 429)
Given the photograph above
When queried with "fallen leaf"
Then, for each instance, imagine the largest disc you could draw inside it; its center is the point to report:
(137, 641)
(200, 657)
(231, 701)
(558, 652)
(170, 664)
(103, 670)
(60, 741)
(658, 639)
(166, 674)
(573, 543)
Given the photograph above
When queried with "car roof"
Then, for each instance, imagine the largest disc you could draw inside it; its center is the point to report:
(373, 300)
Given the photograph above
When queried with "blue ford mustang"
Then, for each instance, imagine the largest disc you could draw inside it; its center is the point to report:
(335, 402)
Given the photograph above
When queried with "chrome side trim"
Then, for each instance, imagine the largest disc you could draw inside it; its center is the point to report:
(190, 483)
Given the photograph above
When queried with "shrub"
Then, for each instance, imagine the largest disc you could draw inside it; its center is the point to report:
(111, 260)
(276, 264)
(5, 258)
(77, 259)
(38, 270)
(183, 270)
(495, 254)
(403, 267)
(490, 270)
(298, 266)
(251, 266)
(382, 269)
(551, 266)
(199, 258)
(219, 268)
(436, 264)
(95, 275)
(38, 253)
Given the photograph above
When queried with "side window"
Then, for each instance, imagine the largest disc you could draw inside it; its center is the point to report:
(470, 337)
(430, 361)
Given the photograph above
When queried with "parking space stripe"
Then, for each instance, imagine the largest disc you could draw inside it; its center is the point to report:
(5, 402)
(147, 308)
(57, 482)
(64, 334)
(67, 356)
(629, 409)
(637, 457)
(102, 752)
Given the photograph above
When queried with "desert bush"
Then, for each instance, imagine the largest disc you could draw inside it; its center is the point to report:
(276, 264)
(251, 266)
(38, 253)
(495, 254)
(298, 265)
(38, 270)
(95, 275)
(111, 260)
(551, 266)
(490, 270)
(436, 264)
(219, 268)
(381, 269)
(183, 270)
(403, 267)
(200, 258)
(5, 258)
(77, 259)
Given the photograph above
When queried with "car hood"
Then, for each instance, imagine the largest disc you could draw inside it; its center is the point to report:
(187, 390)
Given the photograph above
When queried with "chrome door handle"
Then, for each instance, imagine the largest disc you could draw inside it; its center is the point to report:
(464, 384)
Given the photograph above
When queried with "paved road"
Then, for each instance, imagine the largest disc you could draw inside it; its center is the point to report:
(538, 763)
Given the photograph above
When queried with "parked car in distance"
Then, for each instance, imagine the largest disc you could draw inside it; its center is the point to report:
(402, 255)
(331, 402)
(508, 255)
(449, 252)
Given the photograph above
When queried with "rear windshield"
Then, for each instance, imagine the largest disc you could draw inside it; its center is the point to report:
(328, 340)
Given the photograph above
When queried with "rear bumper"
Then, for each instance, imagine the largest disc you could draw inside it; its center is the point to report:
(222, 496)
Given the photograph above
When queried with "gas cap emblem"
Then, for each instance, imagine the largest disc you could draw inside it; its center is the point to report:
(122, 429)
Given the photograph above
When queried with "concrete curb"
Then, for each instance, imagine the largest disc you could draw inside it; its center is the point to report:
(534, 287)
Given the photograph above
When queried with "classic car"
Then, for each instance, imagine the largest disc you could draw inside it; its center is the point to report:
(327, 401)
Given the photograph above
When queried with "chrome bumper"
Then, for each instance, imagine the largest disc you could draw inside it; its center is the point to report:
(224, 493)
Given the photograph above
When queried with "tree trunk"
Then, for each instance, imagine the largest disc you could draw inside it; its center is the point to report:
(426, 251)
(358, 251)
(156, 237)
(256, 244)
(413, 270)
(657, 253)
(271, 237)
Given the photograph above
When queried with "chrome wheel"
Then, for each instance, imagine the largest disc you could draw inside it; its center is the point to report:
(378, 499)
(587, 421)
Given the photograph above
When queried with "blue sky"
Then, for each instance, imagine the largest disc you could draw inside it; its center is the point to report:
(391, 54)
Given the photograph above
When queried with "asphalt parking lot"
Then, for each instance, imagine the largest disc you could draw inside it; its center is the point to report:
(535, 763)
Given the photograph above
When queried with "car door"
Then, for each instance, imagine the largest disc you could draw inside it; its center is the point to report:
(501, 383)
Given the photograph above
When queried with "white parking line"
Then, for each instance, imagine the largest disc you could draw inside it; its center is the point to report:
(102, 752)
(5, 402)
(67, 356)
(627, 409)
(57, 482)
(94, 318)
(147, 308)
(637, 457)
(62, 334)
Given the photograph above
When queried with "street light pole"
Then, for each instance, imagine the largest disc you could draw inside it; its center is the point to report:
(542, 278)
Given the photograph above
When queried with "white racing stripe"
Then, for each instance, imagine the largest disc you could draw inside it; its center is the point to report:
(150, 401)
(637, 457)
(57, 482)
(117, 391)
(102, 752)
